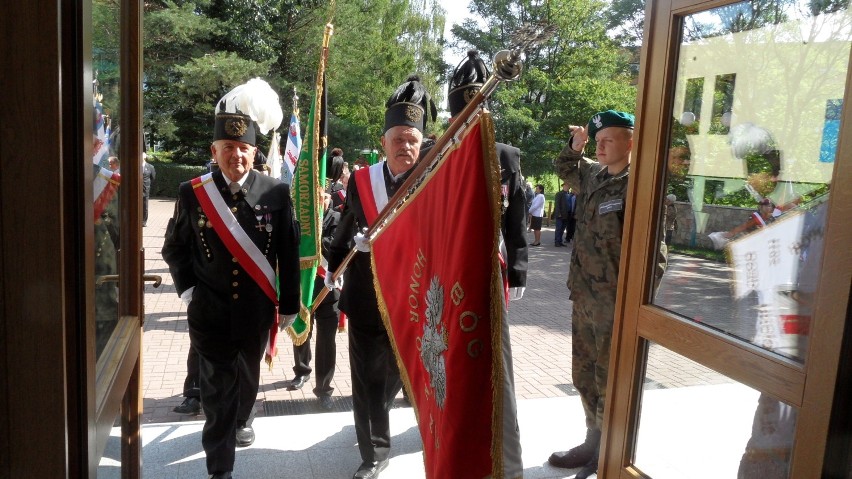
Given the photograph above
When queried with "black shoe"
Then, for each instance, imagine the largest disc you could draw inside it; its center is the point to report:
(220, 475)
(579, 456)
(535, 244)
(590, 468)
(326, 403)
(245, 436)
(189, 406)
(370, 470)
(560, 245)
(298, 382)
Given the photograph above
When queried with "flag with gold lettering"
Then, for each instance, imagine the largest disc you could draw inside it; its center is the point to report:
(308, 185)
(441, 291)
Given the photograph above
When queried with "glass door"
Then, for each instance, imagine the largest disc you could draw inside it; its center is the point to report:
(725, 366)
(114, 344)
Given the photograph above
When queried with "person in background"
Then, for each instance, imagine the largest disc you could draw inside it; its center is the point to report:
(671, 217)
(325, 320)
(149, 174)
(537, 214)
(563, 201)
(467, 79)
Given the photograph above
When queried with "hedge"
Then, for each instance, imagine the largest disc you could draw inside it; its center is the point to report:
(170, 176)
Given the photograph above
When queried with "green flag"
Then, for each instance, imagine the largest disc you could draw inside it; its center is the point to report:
(308, 185)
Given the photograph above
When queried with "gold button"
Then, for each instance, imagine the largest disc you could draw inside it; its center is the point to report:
(236, 272)
(235, 284)
(236, 296)
(235, 260)
(234, 209)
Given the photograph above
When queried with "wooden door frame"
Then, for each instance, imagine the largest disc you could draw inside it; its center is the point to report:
(49, 423)
(812, 386)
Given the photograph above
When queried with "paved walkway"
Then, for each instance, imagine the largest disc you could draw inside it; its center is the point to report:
(295, 437)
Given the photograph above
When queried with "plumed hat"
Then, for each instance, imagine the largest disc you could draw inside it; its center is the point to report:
(334, 168)
(467, 79)
(606, 119)
(410, 105)
(245, 110)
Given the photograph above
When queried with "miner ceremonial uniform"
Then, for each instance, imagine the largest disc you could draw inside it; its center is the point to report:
(375, 375)
(224, 245)
(229, 312)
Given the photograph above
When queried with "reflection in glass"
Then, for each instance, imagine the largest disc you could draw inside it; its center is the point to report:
(749, 184)
(106, 168)
(697, 423)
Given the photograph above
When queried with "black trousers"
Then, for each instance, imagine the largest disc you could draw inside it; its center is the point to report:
(228, 375)
(144, 209)
(325, 323)
(375, 384)
(192, 387)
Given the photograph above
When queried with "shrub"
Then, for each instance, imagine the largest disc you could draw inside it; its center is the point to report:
(170, 176)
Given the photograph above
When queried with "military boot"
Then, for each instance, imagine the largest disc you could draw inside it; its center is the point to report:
(581, 455)
(590, 468)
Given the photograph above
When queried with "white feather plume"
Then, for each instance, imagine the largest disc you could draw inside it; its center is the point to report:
(256, 99)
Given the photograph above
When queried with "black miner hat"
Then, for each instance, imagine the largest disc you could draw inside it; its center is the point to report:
(410, 105)
(246, 110)
(467, 79)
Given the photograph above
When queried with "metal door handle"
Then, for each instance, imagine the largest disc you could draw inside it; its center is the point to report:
(157, 279)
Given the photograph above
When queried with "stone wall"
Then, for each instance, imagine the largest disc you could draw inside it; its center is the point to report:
(720, 218)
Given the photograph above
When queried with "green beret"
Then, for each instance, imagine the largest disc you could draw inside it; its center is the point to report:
(606, 119)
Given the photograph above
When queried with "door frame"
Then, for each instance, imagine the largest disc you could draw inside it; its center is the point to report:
(810, 386)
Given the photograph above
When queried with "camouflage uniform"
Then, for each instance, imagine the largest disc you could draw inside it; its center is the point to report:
(593, 276)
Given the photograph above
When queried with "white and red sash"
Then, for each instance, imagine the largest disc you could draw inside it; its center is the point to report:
(233, 235)
(105, 186)
(372, 191)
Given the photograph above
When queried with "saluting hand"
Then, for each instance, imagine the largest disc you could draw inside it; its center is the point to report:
(579, 137)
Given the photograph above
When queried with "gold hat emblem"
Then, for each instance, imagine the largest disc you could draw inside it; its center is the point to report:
(236, 126)
(413, 114)
(469, 94)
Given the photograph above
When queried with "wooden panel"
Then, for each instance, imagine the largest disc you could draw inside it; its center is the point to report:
(830, 312)
(34, 313)
(619, 433)
(745, 363)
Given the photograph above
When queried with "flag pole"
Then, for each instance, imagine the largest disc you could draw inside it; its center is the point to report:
(507, 67)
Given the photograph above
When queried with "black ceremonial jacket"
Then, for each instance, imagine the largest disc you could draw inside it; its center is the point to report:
(514, 214)
(197, 256)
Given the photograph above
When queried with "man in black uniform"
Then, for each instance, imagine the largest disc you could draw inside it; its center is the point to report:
(467, 79)
(375, 375)
(325, 317)
(231, 230)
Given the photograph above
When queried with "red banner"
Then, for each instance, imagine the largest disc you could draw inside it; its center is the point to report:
(440, 290)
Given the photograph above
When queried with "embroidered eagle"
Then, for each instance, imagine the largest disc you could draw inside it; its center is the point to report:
(435, 342)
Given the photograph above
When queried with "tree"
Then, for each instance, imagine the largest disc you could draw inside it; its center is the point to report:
(196, 52)
(565, 80)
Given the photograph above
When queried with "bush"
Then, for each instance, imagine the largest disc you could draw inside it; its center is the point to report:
(171, 175)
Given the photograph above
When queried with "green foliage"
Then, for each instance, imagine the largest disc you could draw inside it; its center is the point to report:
(579, 72)
(196, 52)
(170, 176)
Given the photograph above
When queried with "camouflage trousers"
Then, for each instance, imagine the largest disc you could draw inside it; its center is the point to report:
(591, 330)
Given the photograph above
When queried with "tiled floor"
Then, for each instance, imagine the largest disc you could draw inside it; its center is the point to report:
(295, 439)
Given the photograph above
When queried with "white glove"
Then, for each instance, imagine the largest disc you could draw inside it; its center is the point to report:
(362, 244)
(332, 284)
(285, 321)
(516, 293)
(186, 296)
(719, 239)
